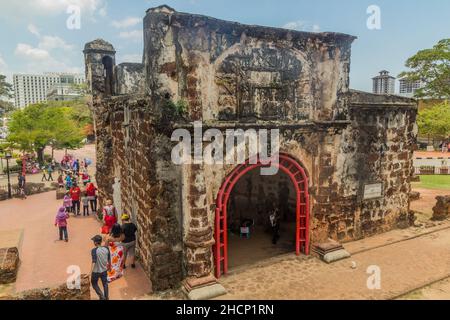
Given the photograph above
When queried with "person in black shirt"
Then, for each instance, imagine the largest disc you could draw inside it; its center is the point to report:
(129, 242)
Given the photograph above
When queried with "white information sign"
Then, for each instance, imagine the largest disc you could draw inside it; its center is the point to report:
(373, 191)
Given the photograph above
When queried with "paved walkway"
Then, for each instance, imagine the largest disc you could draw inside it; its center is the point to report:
(404, 265)
(87, 151)
(431, 154)
(44, 259)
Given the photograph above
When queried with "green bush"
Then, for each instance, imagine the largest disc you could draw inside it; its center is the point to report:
(14, 168)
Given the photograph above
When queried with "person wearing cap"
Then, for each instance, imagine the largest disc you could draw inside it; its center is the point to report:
(129, 242)
(101, 264)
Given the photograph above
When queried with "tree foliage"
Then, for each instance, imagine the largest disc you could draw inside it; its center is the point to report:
(58, 124)
(5, 87)
(432, 67)
(6, 107)
(5, 92)
(435, 121)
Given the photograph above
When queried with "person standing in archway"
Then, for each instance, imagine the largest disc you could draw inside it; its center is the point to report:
(275, 225)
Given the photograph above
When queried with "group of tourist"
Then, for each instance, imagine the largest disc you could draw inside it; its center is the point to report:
(112, 248)
(47, 171)
(445, 146)
(111, 251)
(69, 163)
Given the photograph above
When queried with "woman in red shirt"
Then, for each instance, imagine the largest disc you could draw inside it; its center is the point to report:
(75, 193)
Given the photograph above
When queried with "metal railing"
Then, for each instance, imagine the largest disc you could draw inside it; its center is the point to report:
(432, 170)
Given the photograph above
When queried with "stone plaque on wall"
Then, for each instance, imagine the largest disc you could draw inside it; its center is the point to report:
(373, 191)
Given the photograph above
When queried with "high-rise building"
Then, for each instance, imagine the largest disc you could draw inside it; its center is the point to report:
(408, 88)
(383, 83)
(63, 92)
(32, 88)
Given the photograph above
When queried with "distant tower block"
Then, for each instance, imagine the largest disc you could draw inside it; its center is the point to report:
(100, 60)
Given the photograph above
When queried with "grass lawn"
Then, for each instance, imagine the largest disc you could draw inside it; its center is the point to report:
(439, 182)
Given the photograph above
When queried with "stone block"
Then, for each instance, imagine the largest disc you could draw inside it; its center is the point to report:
(441, 210)
(414, 195)
(56, 293)
(60, 194)
(336, 256)
(9, 265)
(208, 292)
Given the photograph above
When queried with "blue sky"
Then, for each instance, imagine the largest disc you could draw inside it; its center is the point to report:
(35, 37)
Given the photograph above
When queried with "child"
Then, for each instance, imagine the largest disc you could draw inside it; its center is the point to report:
(61, 223)
(60, 181)
(86, 179)
(68, 182)
(67, 202)
(85, 201)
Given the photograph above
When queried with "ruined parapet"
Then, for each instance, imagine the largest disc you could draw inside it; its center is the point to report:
(9, 265)
(414, 196)
(231, 71)
(378, 151)
(138, 154)
(61, 292)
(441, 210)
(100, 61)
(130, 79)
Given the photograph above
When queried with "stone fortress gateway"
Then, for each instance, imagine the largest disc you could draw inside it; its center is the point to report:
(345, 156)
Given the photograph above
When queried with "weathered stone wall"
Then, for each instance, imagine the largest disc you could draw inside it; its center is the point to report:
(441, 210)
(376, 148)
(130, 78)
(228, 71)
(136, 151)
(233, 76)
(56, 293)
(9, 265)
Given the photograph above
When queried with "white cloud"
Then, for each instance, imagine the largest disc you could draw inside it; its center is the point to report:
(27, 51)
(3, 65)
(34, 30)
(127, 22)
(40, 60)
(135, 35)
(134, 57)
(48, 42)
(301, 25)
(52, 7)
(4, 69)
(53, 42)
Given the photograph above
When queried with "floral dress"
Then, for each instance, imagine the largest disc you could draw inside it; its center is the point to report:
(116, 270)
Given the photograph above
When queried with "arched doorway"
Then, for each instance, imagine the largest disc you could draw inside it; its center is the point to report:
(299, 179)
(108, 73)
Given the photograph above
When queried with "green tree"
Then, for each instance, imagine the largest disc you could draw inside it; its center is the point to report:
(42, 124)
(5, 87)
(5, 107)
(432, 67)
(5, 92)
(435, 121)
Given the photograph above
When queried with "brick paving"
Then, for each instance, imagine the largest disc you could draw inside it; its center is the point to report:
(44, 259)
(404, 265)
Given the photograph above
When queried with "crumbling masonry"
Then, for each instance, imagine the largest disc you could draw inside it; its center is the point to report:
(352, 145)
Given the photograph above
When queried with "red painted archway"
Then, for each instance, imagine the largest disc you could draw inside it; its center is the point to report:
(299, 179)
